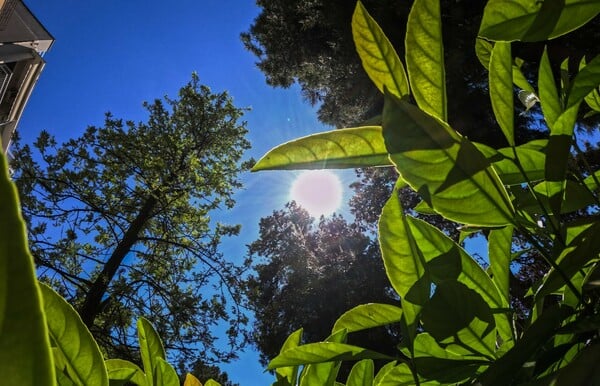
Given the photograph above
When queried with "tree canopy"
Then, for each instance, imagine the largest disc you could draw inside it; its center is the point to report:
(119, 222)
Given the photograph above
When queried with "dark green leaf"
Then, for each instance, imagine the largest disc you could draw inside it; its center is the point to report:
(368, 316)
(509, 20)
(586, 81)
(447, 170)
(361, 374)
(79, 350)
(24, 344)
(378, 56)
(151, 348)
(337, 149)
(499, 252)
(425, 57)
(505, 368)
(400, 375)
(501, 89)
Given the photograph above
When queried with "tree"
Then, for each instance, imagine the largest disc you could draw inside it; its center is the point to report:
(307, 274)
(119, 221)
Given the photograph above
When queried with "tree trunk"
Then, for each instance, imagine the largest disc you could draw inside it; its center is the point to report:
(92, 304)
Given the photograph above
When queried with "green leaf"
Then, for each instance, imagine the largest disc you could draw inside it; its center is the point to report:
(501, 89)
(458, 315)
(323, 373)
(121, 370)
(368, 316)
(510, 20)
(191, 380)
(400, 375)
(483, 50)
(24, 344)
(499, 252)
(548, 92)
(165, 374)
(211, 382)
(378, 56)
(336, 149)
(447, 170)
(290, 373)
(583, 370)
(505, 368)
(151, 348)
(79, 350)
(425, 57)
(383, 371)
(322, 352)
(442, 365)
(361, 374)
(586, 81)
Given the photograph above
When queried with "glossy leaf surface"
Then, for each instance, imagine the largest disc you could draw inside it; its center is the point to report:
(378, 56)
(425, 57)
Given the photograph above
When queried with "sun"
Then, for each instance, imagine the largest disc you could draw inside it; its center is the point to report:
(317, 191)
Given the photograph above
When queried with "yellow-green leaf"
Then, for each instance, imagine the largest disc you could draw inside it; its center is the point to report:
(190, 380)
(151, 348)
(78, 349)
(378, 56)
(501, 89)
(25, 356)
(548, 92)
(425, 57)
(367, 316)
(125, 371)
(165, 374)
(361, 374)
(337, 149)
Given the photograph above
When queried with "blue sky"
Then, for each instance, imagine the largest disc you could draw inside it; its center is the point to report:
(111, 56)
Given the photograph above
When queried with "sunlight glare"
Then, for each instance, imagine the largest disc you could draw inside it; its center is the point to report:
(317, 191)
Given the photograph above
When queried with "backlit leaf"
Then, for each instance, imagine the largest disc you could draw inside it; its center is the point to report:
(586, 81)
(322, 352)
(290, 373)
(191, 380)
(509, 20)
(151, 348)
(368, 316)
(361, 374)
(79, 351)
(323, 373)
(165, 374)
(499, 252)
(447, 170)
(378, 56)
(425, 57)
(501, 89)
(121, 370)
(548, 92)
(337, 149)
(24, 343)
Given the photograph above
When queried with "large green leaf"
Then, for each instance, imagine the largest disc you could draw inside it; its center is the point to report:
(125, 371)
(165, 374)
(517, 165)
(509, 20)
(324, 373)
(586, 81)
(151, 348)
(337, 149)
(378, 56)
(447, 170)
(322, 352)
(442, 365)
(361, 374)
(383, 371)
(24, 344)
(290, 373)
(501, 89)
(79, 351)
(368, 316)
(547, 91)
(459, 316)
(499, 252)
(425, 57)
(400, 375)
